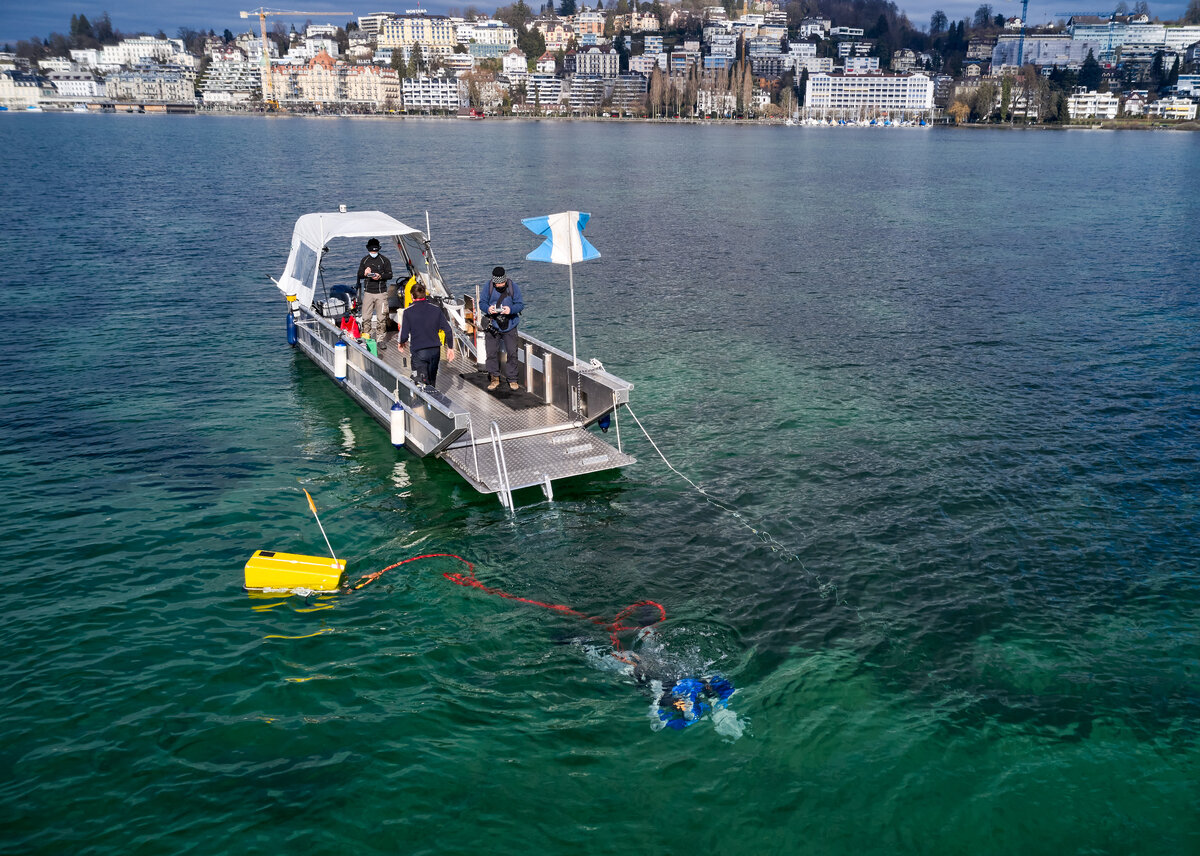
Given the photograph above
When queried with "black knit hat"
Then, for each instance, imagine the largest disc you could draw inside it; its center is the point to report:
(498, 275)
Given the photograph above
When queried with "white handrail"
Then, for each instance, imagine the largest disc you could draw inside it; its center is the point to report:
(505, 488)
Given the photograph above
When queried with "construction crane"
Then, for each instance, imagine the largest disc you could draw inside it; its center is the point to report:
(262, 13)
(1021, 43)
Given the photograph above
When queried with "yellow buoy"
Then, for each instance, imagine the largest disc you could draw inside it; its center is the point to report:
(269, 570)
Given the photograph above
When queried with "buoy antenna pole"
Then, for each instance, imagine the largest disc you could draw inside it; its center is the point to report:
(313, 506)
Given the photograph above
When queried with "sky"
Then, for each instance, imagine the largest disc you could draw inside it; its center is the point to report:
(24, 20)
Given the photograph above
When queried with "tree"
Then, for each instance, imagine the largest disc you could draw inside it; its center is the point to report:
(983, 17)
(1192, 15)
(398, 64)
(746, 95)
(983, 102)
(566, 8)
(531, 42)
(938, 22)
(227, 36)
(105, 34)
(959, 111)
(416, 60)
(1006, 98)
(802, 86)
(1090, 73)
(1141, 7)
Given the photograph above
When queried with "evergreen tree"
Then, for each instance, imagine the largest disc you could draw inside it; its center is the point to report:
(1090, 74)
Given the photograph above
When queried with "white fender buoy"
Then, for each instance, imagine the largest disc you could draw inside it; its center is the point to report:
(480, 346)
(339, 361)
(397, 424)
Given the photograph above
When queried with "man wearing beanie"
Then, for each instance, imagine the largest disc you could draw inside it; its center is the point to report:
(503, 305)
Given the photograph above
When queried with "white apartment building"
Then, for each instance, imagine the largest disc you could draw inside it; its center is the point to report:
(131, 52)
(643, 63)
(86, 58)
(814, 65)
(515, 62)
(373, 23)
(486, 33)
(862, 64)
(1178, 109)
(76, 85)
(232, 83)
(431, 94)
(1181, 38)
(1093, 105)
(854, 95)
(544, 93)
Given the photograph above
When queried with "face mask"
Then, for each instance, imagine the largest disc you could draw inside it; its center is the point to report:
(502, 286)
(374, 254)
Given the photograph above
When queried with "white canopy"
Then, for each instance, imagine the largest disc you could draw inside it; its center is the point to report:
(314, 231)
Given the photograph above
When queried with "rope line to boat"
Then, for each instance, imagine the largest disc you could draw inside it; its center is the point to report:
(826, 588)
(615, 626)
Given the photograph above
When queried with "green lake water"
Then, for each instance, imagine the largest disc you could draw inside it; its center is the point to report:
(949, 382)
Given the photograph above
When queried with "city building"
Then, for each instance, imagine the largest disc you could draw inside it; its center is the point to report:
(866, 95)
(861, 64)
(158, 84)
(21, 90)
(1043, 50)
(1093, 105)
(1176, 109)
(628, 93)
(431, 95)
(232, 83)
(515, 62)
(76, 84)
(434, 33)
(597, 62)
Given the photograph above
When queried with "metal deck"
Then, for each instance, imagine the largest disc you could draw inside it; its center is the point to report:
(539, 444)
(462, 422)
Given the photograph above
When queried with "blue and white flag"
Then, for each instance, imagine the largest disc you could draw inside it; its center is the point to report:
(564, 243)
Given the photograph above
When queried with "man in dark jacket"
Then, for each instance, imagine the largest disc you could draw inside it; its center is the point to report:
(503, 305)
(374, 271)
(422, 321)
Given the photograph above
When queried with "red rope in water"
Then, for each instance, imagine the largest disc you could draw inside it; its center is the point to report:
(614, 627)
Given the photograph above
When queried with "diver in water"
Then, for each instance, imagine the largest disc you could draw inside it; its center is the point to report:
(678, 700)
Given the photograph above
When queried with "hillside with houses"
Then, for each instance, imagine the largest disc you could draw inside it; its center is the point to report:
(826, 61)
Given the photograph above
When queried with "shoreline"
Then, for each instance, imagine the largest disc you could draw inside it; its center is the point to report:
(1101, 125)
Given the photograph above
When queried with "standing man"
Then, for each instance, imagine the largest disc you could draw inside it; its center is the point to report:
(373, 272)
(422, 322)
(504, 306)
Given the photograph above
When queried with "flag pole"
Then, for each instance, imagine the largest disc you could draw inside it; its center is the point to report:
(571, 276)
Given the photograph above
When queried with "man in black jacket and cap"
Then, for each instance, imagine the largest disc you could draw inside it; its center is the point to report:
(422, 322)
